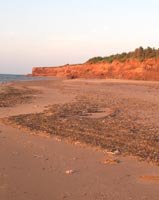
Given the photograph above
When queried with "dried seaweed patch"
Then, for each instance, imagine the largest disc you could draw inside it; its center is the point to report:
(117, 129)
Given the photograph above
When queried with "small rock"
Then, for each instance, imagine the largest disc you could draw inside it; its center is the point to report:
(58, 139)
(77, 143)
(110, 161)
(69, 171)
(74, 158)
(116, 152)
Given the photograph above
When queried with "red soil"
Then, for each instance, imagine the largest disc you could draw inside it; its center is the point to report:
(130, 69)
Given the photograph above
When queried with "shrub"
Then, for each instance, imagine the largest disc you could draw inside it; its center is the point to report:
(139, 53)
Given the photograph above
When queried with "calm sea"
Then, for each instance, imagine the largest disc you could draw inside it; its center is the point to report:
(12, 77)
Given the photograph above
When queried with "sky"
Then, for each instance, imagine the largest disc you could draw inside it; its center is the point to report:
(38, 33)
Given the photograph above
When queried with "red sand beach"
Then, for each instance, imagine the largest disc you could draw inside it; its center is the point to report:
(36, 165)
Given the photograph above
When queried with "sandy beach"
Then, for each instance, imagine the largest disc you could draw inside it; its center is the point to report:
(79, 139)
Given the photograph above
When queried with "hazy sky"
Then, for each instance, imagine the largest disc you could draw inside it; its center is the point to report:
(57, 32)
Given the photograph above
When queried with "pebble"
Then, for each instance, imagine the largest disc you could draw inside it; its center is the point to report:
(116, 152)
(69, 171)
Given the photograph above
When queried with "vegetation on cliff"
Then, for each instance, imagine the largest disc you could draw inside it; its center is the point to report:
(141, 64)
(140, 53)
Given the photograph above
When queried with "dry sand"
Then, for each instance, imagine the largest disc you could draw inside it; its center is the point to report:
(38, 168)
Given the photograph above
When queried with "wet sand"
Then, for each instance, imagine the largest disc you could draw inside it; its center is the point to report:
(38, 167)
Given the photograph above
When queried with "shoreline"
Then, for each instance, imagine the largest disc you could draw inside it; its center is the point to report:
(51, 158)
(11, 78)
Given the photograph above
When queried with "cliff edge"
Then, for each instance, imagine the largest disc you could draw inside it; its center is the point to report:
(129, 69)
(140, 64)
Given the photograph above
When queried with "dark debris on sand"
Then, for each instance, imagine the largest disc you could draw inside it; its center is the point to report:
(119, 129)
(12, 96)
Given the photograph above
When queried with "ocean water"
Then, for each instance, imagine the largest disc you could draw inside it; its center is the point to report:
(13, 77)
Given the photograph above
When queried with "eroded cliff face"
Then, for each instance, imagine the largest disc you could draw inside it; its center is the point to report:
(130, 69)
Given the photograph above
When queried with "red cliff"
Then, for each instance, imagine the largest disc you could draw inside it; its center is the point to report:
(130, 69)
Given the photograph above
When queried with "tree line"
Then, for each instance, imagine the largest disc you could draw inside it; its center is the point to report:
(140, 54)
